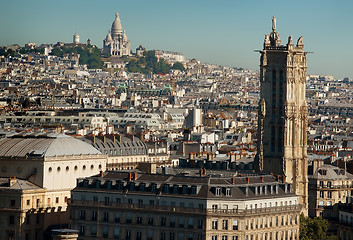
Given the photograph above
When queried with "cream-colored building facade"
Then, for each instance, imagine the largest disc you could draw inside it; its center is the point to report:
(130, 205)
(282, 117)
(50, 163)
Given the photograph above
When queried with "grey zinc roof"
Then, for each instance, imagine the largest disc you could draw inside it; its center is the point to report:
(18, 184)
(327, 172)
(44, 145)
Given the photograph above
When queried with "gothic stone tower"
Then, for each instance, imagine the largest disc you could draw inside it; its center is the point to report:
(282, 120)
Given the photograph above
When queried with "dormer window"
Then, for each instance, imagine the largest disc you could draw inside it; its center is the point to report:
(166, 188)
(218, 192)
(185, 189)
(142, 187)
(120, 185)
(176, 189)
(228, 192)
(193, 189)
(153, 187)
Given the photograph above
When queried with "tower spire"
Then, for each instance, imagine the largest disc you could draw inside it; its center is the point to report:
(273, 24)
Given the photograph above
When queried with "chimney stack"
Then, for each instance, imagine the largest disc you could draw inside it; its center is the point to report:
(247, 180)
(135, 176)
(130, 176)
(101, 173)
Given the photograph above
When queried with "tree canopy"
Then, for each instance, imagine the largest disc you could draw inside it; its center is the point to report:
(149, 63)
(178, 66)
(314, 229)
(89, 54)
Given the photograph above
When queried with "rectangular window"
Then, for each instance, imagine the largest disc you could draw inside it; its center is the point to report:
(83, 214)
(128, 218)
(128, 234)
(105, 217)
(191, 223)
(225, 224)
(171, 236)
(150, 220)
(163, 221)
(117, 217)
(172, 221)
(28, 202)
(162, 236)
(56, 200)
(151, 202)
(235, 224)
(214, 237)
(224, 237)
(139, 220)
(138, 235)
(199, 223)
(106, 201)
(181, 222)
(329, 194)
(12, 202)
(82, 230)
(94, 215)
(116, 233)
(12, 220)
(214, 224)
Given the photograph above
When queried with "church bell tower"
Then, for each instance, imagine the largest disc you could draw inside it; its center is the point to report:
(282, 116)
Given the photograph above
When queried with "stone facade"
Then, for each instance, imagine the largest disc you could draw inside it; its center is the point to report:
(282, 121)
(131, 205)
(116, 42)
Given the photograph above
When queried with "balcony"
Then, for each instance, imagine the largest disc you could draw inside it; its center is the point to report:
(161, 209)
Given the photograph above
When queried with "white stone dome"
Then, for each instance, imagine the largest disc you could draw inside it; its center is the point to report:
(116, 26)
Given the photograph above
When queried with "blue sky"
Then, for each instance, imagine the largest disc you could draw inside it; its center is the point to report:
(222, 32)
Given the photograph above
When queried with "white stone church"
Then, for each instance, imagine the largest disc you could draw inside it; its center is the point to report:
(116, 42)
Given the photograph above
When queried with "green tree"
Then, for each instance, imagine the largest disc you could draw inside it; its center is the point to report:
(178, 66)
(57, 52)
(314, 229)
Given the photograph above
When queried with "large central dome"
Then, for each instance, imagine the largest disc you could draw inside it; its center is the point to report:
(116, 26)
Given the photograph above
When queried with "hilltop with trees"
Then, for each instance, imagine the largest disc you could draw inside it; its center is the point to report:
(89, 54)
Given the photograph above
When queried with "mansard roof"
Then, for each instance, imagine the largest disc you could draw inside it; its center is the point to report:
(204, 187)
